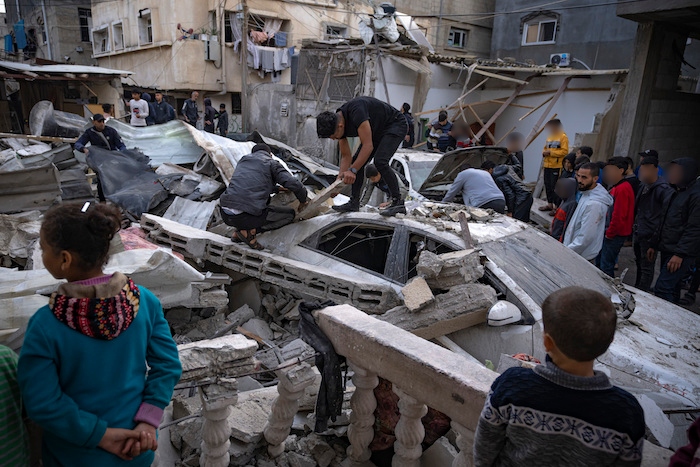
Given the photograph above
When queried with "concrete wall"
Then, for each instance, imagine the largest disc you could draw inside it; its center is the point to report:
(437, 16)
(594, 35)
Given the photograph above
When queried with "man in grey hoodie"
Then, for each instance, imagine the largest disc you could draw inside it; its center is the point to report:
(478, 189)
(586, 229)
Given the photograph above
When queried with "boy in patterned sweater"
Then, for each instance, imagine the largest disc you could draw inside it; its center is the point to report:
(563, 413)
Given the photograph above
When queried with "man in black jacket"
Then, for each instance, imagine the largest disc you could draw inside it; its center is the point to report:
(518, 198)
(654, 195)
(245, 203)
(161, 111)
(101, 136)
(678, 239)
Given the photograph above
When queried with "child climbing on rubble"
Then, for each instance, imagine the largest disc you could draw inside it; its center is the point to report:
(563, 413)
(98, 364)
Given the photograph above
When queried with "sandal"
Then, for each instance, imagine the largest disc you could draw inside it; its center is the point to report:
(250, 241)
(546, 207)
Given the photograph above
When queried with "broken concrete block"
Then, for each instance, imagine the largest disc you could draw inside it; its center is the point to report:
(241, 315)
(185, 406)
(298, 460)
(417, 294)
(242, 454)
(321, 451)
(659, 427)
(210, 326)
(247, 419)
(479, 215)
(258, 327)
(297, 349)
(210, 357)
(195, 335)
(655, 456)
(455, 215)
(450, 269)
(463, 306)
(246, 383)
(440, 453)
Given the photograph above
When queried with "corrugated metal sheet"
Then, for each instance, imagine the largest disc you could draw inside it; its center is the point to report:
(24, 190)
(62, 69)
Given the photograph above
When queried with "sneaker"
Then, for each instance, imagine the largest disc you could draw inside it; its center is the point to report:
(347, 207)
(397, 207)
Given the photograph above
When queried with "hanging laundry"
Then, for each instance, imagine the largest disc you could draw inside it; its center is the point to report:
(258, 37)
(267, 59)
(9, 44)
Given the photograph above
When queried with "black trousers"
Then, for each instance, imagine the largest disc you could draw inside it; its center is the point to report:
(522, 210)
(382, 153)
(550, 180)
(272, 218)
(645, 268)
(497, 205)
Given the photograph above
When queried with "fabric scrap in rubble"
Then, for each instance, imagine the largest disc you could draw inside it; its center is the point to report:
(330, 395)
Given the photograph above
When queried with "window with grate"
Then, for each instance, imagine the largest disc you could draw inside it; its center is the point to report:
(457, 38)
(85, 18)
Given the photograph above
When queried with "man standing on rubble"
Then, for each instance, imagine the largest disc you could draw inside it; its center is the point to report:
(245, 204)
(101, 136)
(190, 110)
(381, 129)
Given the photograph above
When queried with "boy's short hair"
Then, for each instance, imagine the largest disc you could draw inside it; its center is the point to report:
(587, 150)
(371, 171)
(488, 165)
(554, 122)
(630, 162)
(580, 160)
(619, 162)
(580, 321)
(406, 107)
(442, 115)
(592, 166)
(136, 91)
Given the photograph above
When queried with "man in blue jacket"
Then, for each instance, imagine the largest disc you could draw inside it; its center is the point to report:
(100, 135)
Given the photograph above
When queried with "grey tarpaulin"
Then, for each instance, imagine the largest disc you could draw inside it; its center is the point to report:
(127, 180)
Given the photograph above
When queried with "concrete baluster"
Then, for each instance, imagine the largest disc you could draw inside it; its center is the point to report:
(292, 382)
(465, 443)
(363, 403)
(217, 399)
(409, 431)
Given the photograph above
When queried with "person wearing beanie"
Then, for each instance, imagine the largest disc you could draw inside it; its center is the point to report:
(245, 204)
(381, 129)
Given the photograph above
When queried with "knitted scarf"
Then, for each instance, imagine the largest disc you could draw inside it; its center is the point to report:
(99, 318)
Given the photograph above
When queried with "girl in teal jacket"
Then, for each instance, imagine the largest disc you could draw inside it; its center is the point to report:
(98, 364)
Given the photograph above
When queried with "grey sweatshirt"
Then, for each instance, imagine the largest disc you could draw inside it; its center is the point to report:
(586, 229)
(477, 188)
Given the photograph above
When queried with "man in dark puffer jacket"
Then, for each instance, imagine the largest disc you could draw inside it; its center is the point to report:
(518, 198)
(678, 239)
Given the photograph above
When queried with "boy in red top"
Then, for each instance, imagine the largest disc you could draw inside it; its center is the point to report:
(620, 218)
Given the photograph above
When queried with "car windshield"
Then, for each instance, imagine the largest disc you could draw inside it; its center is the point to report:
(419, 171)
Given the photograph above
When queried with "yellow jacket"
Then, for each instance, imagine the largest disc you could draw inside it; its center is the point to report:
(558, 146)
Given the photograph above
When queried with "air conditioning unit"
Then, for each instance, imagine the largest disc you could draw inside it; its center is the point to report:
(560, 60)
(212, 49)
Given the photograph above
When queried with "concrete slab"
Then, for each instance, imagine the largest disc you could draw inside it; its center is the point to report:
(659, 427)
(417, 294)
(216, 356)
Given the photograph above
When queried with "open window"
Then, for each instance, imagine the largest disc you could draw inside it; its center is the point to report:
(540, 28)
(457, 38)
(145, 27)
(100, 40)
(334, 31)
(118, 35)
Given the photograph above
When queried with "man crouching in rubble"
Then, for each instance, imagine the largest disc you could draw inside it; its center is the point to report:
(245, 203)
(381, 129)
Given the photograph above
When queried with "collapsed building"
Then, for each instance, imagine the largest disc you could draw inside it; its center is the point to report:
(442, 296)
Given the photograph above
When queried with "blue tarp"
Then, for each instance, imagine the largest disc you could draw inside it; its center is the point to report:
(20, 35)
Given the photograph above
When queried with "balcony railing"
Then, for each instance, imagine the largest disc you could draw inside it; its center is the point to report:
(423, 374)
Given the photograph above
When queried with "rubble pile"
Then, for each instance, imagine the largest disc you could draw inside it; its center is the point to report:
(445, 216)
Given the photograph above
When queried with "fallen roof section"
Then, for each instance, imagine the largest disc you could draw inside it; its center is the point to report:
(62, 69)
(28, 189)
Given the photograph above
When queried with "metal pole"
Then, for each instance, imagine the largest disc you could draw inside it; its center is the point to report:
(439, 27)
(46, 28)
(244, 68)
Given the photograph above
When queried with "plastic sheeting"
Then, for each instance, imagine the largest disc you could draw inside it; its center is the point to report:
(44, 120)
(127, 180)
(169, 142)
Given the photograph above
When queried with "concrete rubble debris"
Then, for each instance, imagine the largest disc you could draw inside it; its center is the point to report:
(417, 294)
(259, 327)
(229, 355)
(659, 427)
(18, 235)
(450, 269)
(463, 306)
(442, 452)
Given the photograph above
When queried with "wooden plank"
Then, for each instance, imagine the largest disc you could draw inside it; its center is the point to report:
(554, 100)
(53, 139)
(314, 205)
(484, 128)
(497, 76)
(455, 103)
(503, 107)
(535, 109)
(466, 233)
(505, 136)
